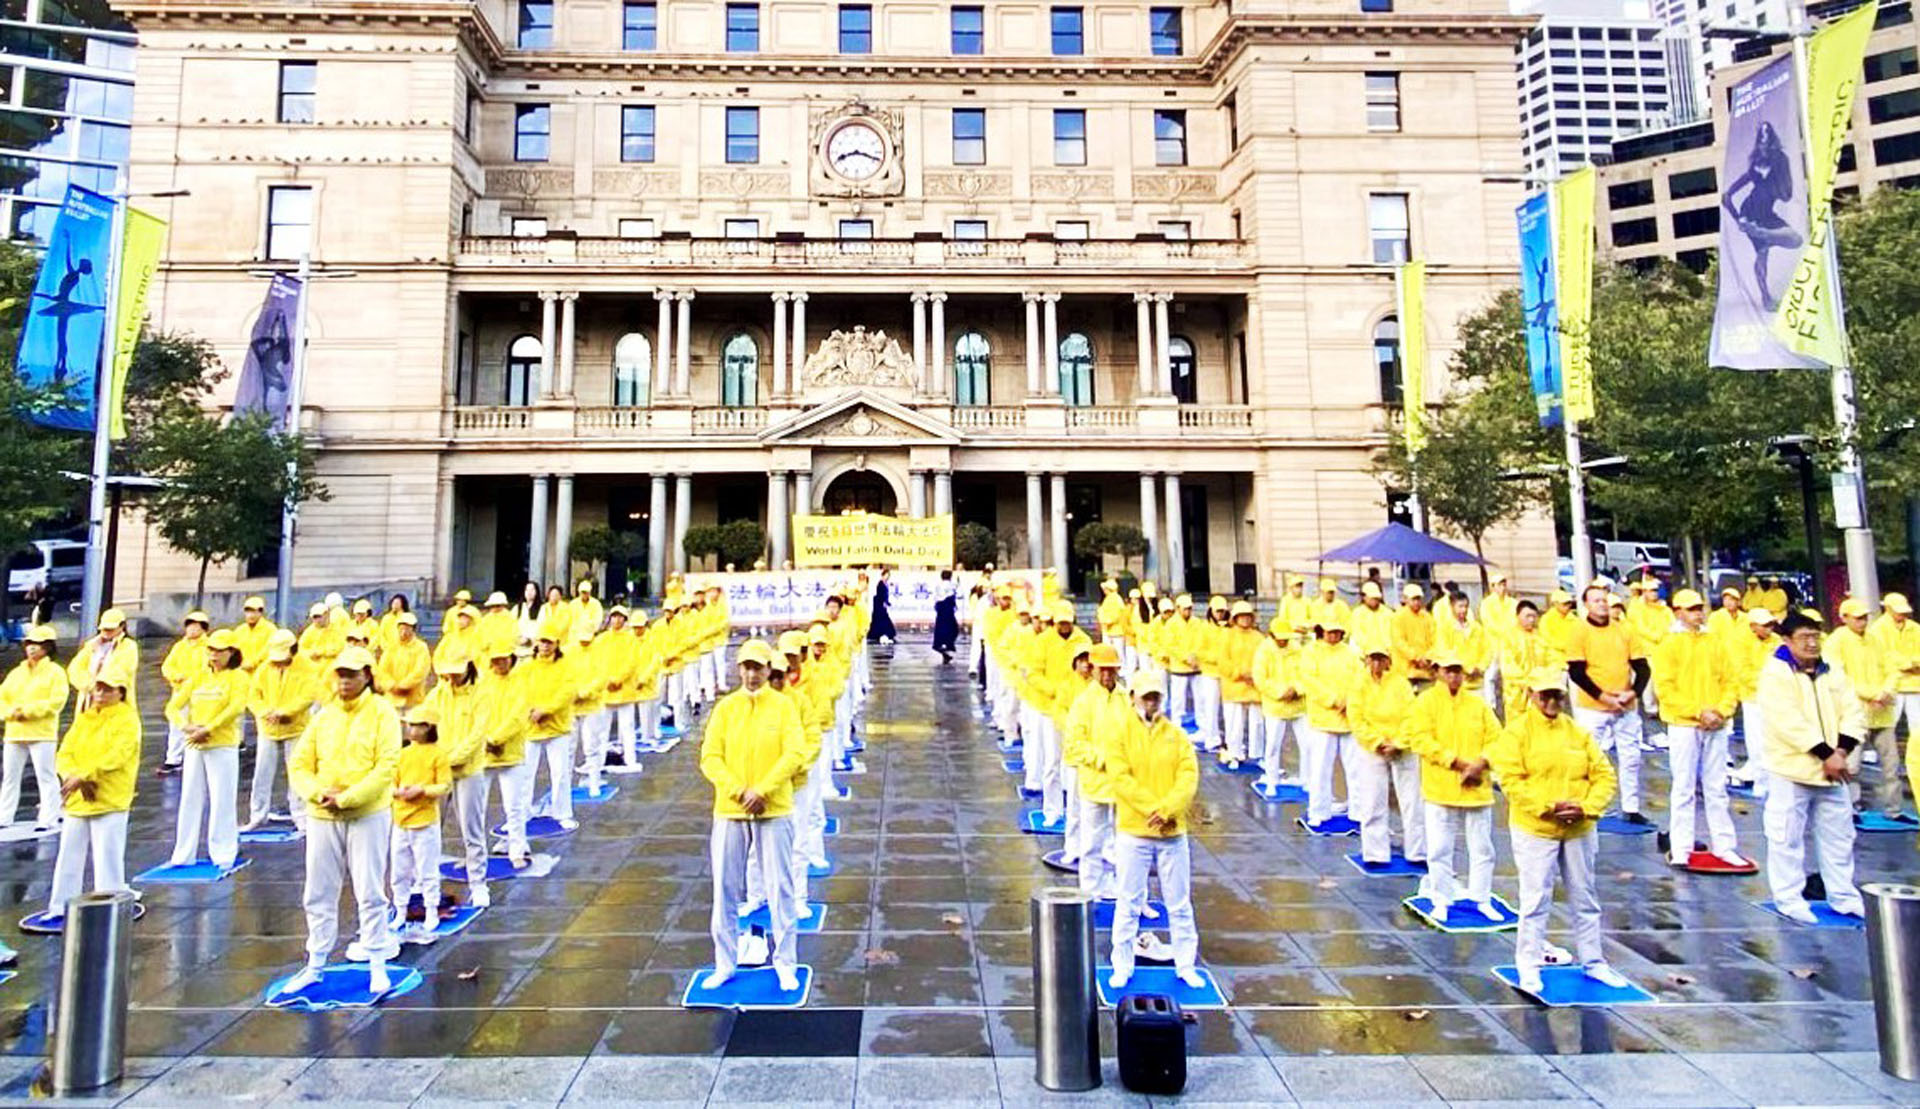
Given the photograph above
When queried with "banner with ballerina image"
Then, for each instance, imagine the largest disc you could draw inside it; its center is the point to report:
(66, 320)
(1763, 224)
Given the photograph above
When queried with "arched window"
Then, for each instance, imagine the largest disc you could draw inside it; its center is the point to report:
(972, 366)
(632, 370)
(523, 370)
(1076, 370)
(1386, 358)
(1186, 385)
(740, 372)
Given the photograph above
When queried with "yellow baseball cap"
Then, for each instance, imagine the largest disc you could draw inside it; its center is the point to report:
(755, 651)
(254, 604)
(1688, 598)
(221, 640)
(280, 645)
(112, 618)
(1242, 608)
(1760, 617)
(793, 643)
(1328, 585)
(1411, 590)
(363, 607)
(1104, 654)
(317, 608)
(353, 658)
(197, 617)
(423, 714)
(1897, 602)
(1370, 589)
(1279, 629)
(1147, 683)
(1063, 612)
(1184, 600)
(496, 599)
(1550, 681)
(39, 633)
(1852, 607)
(816, 634)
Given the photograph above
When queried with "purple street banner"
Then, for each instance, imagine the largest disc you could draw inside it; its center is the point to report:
(266, 380)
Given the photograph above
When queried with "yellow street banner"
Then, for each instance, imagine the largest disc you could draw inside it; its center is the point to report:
(1573, 269)
(864, 539)
(1809, 320)
(139, 259)
(1413, 353)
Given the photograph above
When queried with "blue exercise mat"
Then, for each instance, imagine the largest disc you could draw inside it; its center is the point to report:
(1155, 917)
(833, 826)
(343, 986)
(1335, 825)
(755, 988)
(499, 869)
(1014, 766)
(540, 827)
(669, 730)
(1566, 986)
(43, 924)
(1286, 793)
(1611, 825)
(1161, 980)
(1741, 791)
(821, 871)
(1463, 916)
(1399, 866)
(1189, 723)
(1823, 915)
(1878, 822)
(850, 766)
(607, 793)
(1008, 746)
(1247, 766)
(1023, 793)
(8, 976)
(855, 747)
(842, 793)
(763, 919)
(1056, 860)
(271, 833)
(1034, 823)
(453, 925)
(196, 872)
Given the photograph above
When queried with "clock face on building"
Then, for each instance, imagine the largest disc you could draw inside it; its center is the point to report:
(856, 151)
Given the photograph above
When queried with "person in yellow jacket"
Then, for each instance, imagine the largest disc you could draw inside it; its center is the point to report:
(253, 631)
(810, 687)
(1557, 782)
(497, 621)
(1153, 773)
(829, 677)
(455, 703)
(1329, 608)
(460, 635)
(463, 598)
(207, 709)
(588, 613)
(500, 718)
(365, 626)
(751, 753)
(1451, 730)
(1101, 711)
(1329, 669)
(1772, 597)
(1558, 621)
(1731, 617)
(1113, 616)
(1698, 692)
(30, 702)
(1470, 641)
(1296, 608)
(1899, 636)
(111, 648)
(1209, 635)
(1181, 643)
(1814, 722)
(1863, 659)
(1283, 704)
(323, 637)
(98, 765)
(592, 724)
(551, 682)
(422, 777)
(404, 666)
(1054, 683)
(1379, 757)
(1523, 653)
(647, 682)
(1237, 645)
(1750, 648)
(1499, 608)
(343, 769)
(280, 697)
(1610, 673)
(614, 655)
(1414, 635)
(1371, 622)
(397, 606)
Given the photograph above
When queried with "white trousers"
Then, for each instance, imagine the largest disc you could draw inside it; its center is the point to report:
(1070, 789)
(1441, 885)
(768, 844)
(1319, 751)
(1276, 730)
(647, 721)
(339, 850)
(1006, 711)
(516, 801)
(677, 702)
(624, 733)
(1698, 756)
(594, 730)
(709, 676)
(1618, 734)
(1889, 795)
(1097, 871)
(1033, 753)
(1241, 720)
(209, 784)
(1752, 729)
(470, 816)
(267, 757)
(416, 864)
(1794, 809)
(1369, 777)
(105, 836)
(176, 744)
(1053, 804)
(1907, 708)
(1539, 859)
(1206, 709)
(13, 768)
(558, 753)
(1180, 697)
(1137, 856)
(809, 834)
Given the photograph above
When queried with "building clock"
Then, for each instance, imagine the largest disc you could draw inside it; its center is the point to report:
(857, 151)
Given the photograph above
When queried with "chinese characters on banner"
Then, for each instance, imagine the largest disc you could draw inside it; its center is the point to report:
(864, 539)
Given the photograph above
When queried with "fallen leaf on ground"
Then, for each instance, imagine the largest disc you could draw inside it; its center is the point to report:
(1680, 979)
(1329, 883)
(1803, 973)
(1416, 1014)
(469, 974)
(1625, 876)
(880, 956)
(953, 920)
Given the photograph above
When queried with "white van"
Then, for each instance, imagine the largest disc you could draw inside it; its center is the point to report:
(1618, 559)
(50, 568)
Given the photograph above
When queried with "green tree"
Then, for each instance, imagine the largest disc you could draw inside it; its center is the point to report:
(1878, 240)
(33, 459)
(742, 542)
(701, 541)
(974, 546)
(600, 547)
(1102, 538)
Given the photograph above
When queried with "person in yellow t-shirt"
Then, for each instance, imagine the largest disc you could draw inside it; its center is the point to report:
(1153, 773)
(98, 765)
(30, 702)
(1609, 672)
(422, 779)
(1451, 730)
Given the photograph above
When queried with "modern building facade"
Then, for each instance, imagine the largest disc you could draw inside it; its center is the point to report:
(67, 67)
(657, 266)
(1588, 72)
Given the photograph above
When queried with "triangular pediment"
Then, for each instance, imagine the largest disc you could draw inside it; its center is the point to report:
(860, 415)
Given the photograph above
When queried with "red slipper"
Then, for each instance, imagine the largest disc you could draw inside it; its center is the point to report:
(1706, 862)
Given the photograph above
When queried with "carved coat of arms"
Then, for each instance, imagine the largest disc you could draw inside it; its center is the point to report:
(858, 357)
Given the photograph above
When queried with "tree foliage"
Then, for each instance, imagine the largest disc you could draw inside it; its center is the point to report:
(1879, 242)
(1464, 474)
(974, 546)
(600, 547)
(701, 541)
(742, 542)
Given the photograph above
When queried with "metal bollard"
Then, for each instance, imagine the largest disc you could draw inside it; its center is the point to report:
(1065, 1002)
(90, 1015)
(1893, 964)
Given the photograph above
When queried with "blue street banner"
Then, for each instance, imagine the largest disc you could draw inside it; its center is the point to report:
(1540, 305)
(66, 322)
(1764, 225)
(266, 380)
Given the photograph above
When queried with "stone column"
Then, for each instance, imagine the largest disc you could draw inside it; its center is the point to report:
(548, 340)
(1061, 559)
(777, 516)
(917, 494)
(1036, 537)
(1143, 320)
(663, 348)
(803, 491)
(1050, 379)
(937, 383)
(562, 533)
(1150, 524)
(682, 373)
(942, 492)
(780, 345)
(920, 341)
(797, 350)
(656, 533)
(537, 531)
(1176, 548)
(682, 512)
(567, 303)
(1163, 342)
(1033, 342)
(443, 538)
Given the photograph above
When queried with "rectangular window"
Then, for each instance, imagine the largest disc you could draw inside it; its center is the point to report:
(1068, 37)
(743, 28)
(1069, 137)
(536, 25)
(969, 136)
(856, 236)
(639, 25)
(289, 222)
(1383, 102)
(636, 133)
(1635, 232)
(1388, 227)
(1629, 194)
(1163, 25)
(297, 81)
(472, 120)
(532, 130)
(971, 236)
(1694, 182)
(1232, 107)
(1072, 231)
(1894, 63)
(1170, 137)
(743, 135)
(1696, 221)
(1176, 230)
(1894, 105)
(528, 227)
(638, 229)
(1371, 6)
(741, 234)
(856, 29)
(969, 30)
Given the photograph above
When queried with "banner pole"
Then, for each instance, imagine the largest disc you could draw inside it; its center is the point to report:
(1578, 540)
(93, 587)
(290, 510)
(1416, 508)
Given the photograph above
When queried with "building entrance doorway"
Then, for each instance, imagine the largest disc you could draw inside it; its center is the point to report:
(858, 491)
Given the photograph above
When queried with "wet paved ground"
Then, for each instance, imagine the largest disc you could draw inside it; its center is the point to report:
(568, 988)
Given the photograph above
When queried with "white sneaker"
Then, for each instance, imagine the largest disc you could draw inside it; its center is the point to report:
(716, 979)
(570, 824)
(478, 897)
(1848, 908)
(1119, 978)
(1152, 947)
(1554, 955)
(308, 975)
(753, 949)
(1491, 911)
(377, 980)
(1530, 981)
(1801, 913)
(787, 977)
(1607, 976)
(1191, 979)
(1148, 912)
(1732, 858)
(748, 908)
(357, 952)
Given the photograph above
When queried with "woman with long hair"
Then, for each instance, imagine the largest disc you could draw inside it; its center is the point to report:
(1768, 181)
